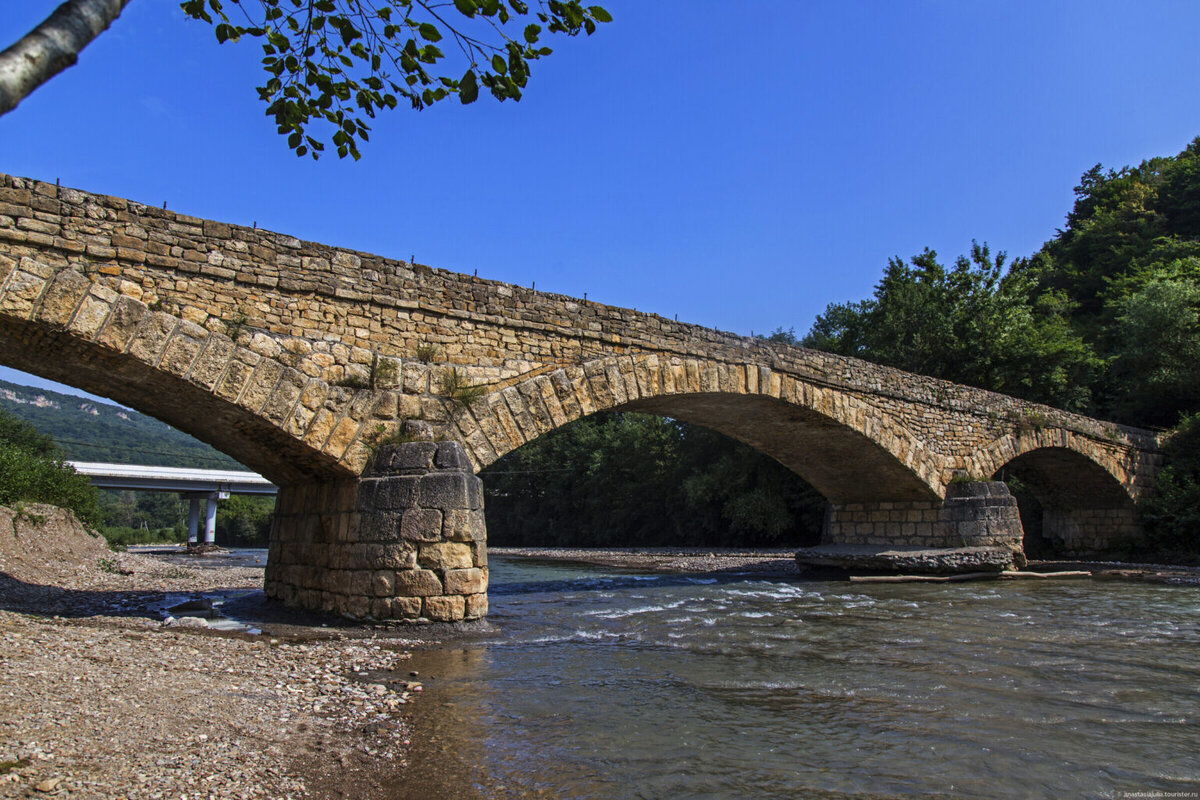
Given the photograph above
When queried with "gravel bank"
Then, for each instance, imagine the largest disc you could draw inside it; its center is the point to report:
(99, 698)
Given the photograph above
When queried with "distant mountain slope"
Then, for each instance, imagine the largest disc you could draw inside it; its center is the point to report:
(91, 431)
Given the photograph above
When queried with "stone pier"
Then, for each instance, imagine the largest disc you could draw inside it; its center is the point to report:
(977, 527)
(406, 541)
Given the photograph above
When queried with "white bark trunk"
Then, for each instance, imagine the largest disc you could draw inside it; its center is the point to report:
(52, 46)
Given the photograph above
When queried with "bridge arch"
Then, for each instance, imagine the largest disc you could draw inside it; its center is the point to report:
(1084, 493)
(845, 449)
(59, 325)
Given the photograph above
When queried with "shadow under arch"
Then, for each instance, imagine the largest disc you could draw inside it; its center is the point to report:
(56, 353)
(846, 452)
(1070, 504)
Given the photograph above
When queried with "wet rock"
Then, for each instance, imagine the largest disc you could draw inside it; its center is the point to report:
(908, 560)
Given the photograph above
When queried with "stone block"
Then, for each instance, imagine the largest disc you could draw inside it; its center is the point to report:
(444, 609)
(152, 337)
(417, 583)
(358, 607)
(359, 582)
(445, 556)
(390, 556)
(479, 553)
(383, 583)
(466, 581)
(122, 323)
(476, 606)
(181, 352)
(62, 297)
(445, 490)
(450, 455)
(406, 607)
(396, 493)
(412, 458)
(421, 525)
(464, 525)
(90, 317)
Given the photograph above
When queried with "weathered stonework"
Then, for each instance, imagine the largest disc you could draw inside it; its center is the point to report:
(406, 541)
(976, 527)
(296, 358)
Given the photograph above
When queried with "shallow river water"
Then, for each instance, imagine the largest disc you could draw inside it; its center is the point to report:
(602, 684)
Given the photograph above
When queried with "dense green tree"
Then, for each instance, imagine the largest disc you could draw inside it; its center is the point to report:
(334, 62)
(975, 323)
(244, 521)
(1156, 365)
(1124, 226)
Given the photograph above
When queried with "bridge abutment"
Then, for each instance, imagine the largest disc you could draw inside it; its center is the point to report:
(406, 541)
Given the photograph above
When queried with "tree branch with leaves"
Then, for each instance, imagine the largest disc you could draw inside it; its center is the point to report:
(336, 63)
(333, 64)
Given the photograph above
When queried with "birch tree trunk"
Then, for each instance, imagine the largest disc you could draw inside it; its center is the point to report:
(52, 46)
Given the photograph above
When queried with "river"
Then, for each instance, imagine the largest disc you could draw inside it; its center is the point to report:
(603, 684)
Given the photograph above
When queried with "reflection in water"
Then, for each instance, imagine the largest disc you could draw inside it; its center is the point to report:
(601, 685)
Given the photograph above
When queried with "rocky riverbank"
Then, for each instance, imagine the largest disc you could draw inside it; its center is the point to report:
(102, 698)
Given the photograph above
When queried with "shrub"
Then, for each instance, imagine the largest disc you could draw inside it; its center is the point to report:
(32, 470)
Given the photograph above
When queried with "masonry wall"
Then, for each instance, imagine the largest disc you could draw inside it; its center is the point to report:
(329, 312)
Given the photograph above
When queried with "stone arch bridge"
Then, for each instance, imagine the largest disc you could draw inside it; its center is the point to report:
(316, 366)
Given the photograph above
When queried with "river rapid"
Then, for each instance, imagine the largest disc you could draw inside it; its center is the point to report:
(607, 684)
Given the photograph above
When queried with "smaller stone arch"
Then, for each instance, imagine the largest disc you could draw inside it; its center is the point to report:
(1079, 493)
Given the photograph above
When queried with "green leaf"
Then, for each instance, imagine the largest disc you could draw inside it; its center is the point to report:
(466, 7)
(468, 89)
(499, 65)
(599, 14)
(429, 32)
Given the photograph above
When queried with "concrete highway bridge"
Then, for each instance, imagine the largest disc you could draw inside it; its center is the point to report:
(205, 486)
(316, 366)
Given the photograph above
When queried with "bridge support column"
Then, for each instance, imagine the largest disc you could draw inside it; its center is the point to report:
(210, 519)
(194, 518)
(976, 527)
(407, 541)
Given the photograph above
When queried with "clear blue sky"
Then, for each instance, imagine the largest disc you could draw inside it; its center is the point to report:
(740, 164)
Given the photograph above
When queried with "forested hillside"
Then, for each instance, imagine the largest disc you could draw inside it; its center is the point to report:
(89, 431)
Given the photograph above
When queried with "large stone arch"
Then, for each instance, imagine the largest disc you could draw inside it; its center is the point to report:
(1085, 490)
(845, 449)
(286, 425)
